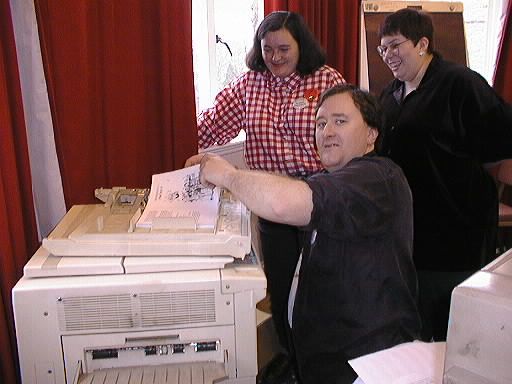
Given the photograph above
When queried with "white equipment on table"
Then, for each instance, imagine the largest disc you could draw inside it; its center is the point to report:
(479, 341)
(105, 301)
(110, 229)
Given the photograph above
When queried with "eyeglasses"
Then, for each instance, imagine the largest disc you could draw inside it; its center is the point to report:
(393, 48)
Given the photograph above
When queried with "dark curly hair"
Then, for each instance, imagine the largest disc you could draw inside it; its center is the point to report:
(311, 54)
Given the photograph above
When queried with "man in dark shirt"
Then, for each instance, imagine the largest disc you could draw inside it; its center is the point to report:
(443, 122)
(356, 292)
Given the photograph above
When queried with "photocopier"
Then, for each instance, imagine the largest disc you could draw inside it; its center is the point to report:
(479, 340)
(103, 301)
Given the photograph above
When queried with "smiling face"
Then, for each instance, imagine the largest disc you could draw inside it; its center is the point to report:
(341, 133)
(404, 59)
(280, 52)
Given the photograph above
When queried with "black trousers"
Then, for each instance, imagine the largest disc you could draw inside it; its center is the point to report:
(281, 245)
(328, 368)
(435, 292)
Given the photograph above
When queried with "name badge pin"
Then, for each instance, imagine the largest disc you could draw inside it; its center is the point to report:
(300, 103)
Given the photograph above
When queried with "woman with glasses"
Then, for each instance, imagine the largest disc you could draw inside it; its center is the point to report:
(443, 124)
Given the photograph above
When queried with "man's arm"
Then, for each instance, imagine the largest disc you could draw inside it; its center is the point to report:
(277, 198)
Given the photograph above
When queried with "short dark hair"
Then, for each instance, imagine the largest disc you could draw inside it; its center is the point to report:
(411, 23)
(311, 54)
(365, 102)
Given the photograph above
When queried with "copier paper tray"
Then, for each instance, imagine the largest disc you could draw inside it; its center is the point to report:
(192, 373)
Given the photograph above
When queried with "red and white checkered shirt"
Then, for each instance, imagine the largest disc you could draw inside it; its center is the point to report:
(278, 116)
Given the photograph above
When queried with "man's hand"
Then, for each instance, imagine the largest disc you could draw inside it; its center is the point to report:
(214, 170)
(193, 160)
(277, 198)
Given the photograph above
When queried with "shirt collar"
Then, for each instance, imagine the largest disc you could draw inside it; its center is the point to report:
(372, 153)
(292, 81)
(397, 86)
(434, 63)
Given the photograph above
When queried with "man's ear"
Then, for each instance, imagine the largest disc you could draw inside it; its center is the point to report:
(372, 135)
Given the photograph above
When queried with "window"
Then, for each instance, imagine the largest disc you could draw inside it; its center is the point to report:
(222, 35)
(483, 21)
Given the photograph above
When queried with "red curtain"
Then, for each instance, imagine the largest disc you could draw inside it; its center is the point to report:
(503, 73)
(335, 24)
(18, 231)
(120, 84)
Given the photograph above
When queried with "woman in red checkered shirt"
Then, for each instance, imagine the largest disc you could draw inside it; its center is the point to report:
(274, 103)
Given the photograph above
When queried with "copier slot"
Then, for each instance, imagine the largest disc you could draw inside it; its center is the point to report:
(206, 346)
(104, 354)
(153, 350)
(150, 349)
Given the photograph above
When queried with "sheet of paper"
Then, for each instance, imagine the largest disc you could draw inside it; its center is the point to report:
(179, 194)
(409, 363)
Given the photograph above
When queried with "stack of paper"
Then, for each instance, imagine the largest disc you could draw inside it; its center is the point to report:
(409, 363)
(179, 195)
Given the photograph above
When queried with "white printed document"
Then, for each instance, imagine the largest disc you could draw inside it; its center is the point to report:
(179, 195)
(409, 363)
